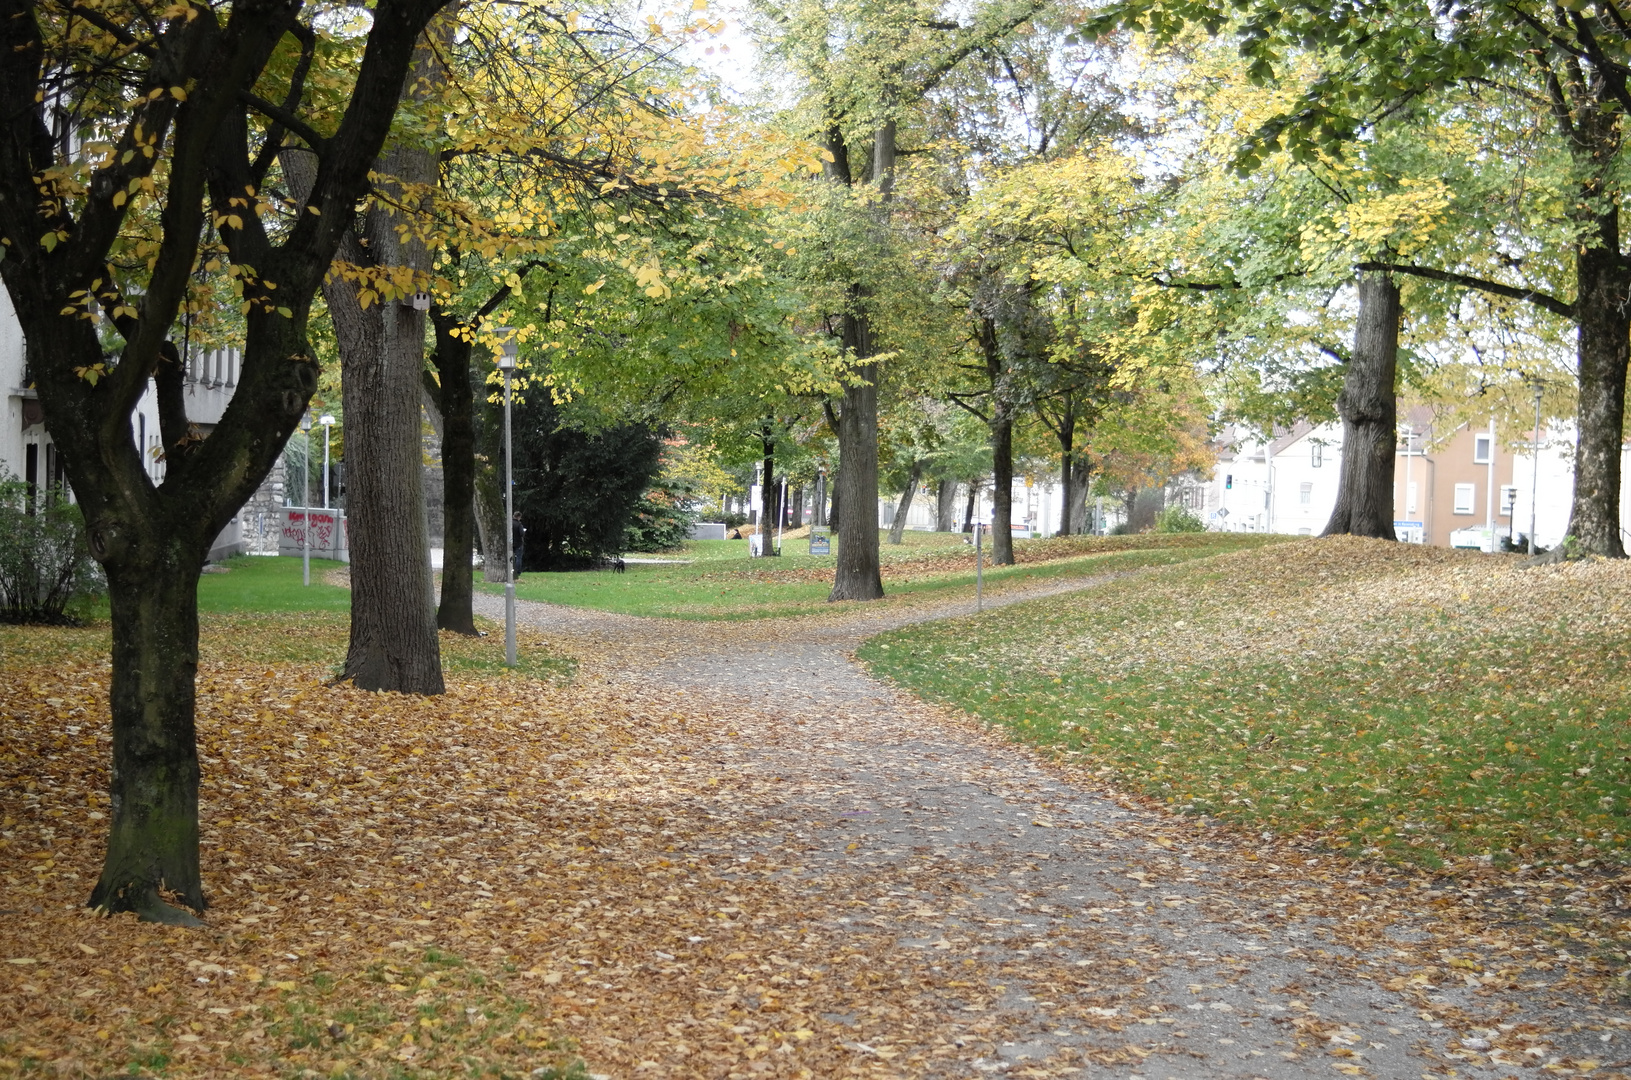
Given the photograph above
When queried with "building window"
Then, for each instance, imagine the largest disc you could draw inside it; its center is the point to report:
(1466, 498)
(1481, 445)
(1316, 454)
(1305, 493)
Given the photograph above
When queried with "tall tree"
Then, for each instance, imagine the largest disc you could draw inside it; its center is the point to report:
(196, 106)
(867, 69)
(1569, 60)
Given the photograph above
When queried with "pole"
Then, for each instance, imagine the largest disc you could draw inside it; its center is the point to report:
(979, 568)
(1489, 489)
(1534, 483)
(326, 430)
(781, 516)
(305, 498)
(509, 532)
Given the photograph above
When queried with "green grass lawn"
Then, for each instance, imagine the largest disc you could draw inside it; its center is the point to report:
(1392, 700)
(720, 581)
(259, 611)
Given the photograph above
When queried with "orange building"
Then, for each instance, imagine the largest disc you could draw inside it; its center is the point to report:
(1452, 484)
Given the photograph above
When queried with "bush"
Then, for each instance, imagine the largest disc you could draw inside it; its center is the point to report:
(1178, 519)
(45, 561)
(661, 522)
(732, 520)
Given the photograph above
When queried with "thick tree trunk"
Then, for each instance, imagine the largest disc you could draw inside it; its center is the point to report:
(153, 838)
(1081, 477)
(382, 351)
(795, 508)
(1002, 485)
(490, 523)
(1369, 408)
(858, 576)
(973, 501)
(897, 528)
(457, 406)
(1603, 311)
(945, 511)
(818, 501)
(769, 492)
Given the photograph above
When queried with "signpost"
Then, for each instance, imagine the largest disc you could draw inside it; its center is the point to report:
(820, 540)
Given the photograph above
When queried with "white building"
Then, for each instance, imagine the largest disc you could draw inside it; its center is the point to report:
(26, 449)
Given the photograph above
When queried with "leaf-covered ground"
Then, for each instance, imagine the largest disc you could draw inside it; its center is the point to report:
(1411, 702)
(722, 852)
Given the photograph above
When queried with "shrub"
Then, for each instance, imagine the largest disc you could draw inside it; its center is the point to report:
(1178, 519)
(45, 561)
(661, 522)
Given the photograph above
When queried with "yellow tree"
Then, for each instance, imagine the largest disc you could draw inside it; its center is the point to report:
(186, 109)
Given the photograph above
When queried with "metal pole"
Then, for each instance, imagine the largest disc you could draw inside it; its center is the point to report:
(305, 498)
(781, 516)
(326, 430)
(979, 568)
(1489, 489)
(509, 533)
(1534, 483)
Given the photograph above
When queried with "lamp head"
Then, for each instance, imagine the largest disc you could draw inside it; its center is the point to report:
(327, 420)
(511, 348)
(305, 422)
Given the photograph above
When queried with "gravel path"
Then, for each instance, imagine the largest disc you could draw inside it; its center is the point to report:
(1128, 943)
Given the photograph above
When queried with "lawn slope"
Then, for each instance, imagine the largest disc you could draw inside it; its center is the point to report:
(720, 581)
(1411, 702)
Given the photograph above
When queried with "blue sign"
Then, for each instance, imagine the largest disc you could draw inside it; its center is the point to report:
(820, 542)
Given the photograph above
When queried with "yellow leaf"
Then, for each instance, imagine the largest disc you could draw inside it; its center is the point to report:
(118, 199)
(179, 93)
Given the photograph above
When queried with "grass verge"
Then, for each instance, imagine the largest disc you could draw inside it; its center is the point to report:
(258, 612)
(1414, 703)
(722, 582)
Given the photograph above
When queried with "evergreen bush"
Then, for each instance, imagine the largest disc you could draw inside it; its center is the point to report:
(45, 559)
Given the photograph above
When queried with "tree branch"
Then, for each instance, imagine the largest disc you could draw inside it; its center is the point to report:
(1467, 281)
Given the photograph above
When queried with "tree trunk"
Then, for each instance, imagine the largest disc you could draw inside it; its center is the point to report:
(818, 501)
(1369, 409)
(973, 501)
(1081, 477)
(795, 508)
(1001, 425)
(769, 492)
(897, 528)
(858, 576)
(153, 837)
(382, 351)
(1002, 485)
(1603, 310)
(945, 511)
(457, 406)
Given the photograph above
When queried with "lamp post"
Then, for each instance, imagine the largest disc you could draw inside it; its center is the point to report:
(510, 352)
(327, 420)
(305, 502)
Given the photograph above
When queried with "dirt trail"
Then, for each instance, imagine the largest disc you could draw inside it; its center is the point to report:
(1069, 930)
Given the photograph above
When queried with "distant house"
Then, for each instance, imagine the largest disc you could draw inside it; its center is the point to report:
(1455, 485)
(1287, 484)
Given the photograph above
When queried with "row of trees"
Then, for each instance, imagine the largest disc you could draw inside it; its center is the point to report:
(1089, 235)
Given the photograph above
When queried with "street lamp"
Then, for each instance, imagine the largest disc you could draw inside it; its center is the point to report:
(327, 420)
(506, 360)
(305, 502)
